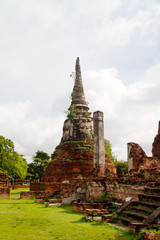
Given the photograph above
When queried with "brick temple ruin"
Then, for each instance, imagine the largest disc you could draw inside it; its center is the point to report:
(74, 160)
(80, 173)
(138, 161)
(4, 186)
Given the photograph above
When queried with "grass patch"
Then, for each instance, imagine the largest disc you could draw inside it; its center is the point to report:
(24, 219)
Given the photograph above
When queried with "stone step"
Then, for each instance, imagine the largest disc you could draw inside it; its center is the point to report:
(148, 204)
(54, 200)
(139, 214)
(136, 216)
(150, 198)
(141, 210)
(157, 184)
(96, 211)
(125, 220)
(152, 190)
(54, 204)
(107, 217)
(137, 227)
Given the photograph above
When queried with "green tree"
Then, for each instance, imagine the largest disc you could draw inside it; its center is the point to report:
(121, 166)
(37, 168)
(108, 151)
(11, 161)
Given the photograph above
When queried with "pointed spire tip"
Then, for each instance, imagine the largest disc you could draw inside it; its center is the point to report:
(77, 61)
(77, 67)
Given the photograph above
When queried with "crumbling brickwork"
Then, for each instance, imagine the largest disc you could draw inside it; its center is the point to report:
(135, 155)
(156, 144)
(4, 188)
(70, 160)
(139, 161)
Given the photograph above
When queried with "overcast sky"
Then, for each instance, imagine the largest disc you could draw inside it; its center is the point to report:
(118, 42)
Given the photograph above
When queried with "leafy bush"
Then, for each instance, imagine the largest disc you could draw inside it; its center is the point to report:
(70, 113)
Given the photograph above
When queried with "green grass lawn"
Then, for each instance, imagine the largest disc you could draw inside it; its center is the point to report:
(25, 220)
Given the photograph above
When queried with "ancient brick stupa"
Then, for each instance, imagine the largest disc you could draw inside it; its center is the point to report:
(72, 161)
(73, 157)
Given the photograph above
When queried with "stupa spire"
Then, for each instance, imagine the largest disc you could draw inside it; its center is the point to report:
(78, 96)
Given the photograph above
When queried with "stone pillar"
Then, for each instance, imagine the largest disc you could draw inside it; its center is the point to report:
(99, 151)
(129, 156)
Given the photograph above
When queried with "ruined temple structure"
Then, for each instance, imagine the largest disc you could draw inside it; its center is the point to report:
(79, 170)
(138, 161)
(73, 157)
(4, 188)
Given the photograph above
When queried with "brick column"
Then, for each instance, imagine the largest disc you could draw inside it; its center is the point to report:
(99, 151)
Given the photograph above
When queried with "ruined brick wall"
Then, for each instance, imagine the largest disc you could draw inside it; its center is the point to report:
(135, 155)
(120, 192)
(3, 180)
(4, 188)
(4, 192)
(81, 207)
(43, 195)
(156, 144)
(109, 166)
(59, 189)
(95, 189)
(116, 188)
(122, 186)
(138, 160)
(46, 186)
(102, 190)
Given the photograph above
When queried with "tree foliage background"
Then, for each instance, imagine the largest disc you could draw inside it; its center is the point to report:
(121, 166)
(37, 168)
(10, 161)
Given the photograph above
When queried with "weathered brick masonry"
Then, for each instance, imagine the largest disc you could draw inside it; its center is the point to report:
(4, 188)
(72, 159)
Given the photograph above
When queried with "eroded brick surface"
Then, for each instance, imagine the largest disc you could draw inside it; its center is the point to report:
(4, 188)
(73, 160)
(151, 236)
(156, 144)
(138, 161)
(82, 207)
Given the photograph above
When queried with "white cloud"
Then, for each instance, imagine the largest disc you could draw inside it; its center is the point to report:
(30, 131)
(130, 112)
(118, 32)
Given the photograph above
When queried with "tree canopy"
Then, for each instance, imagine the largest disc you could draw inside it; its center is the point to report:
(121, 166)
(37, 167)
(108, 151)
(11, 161)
